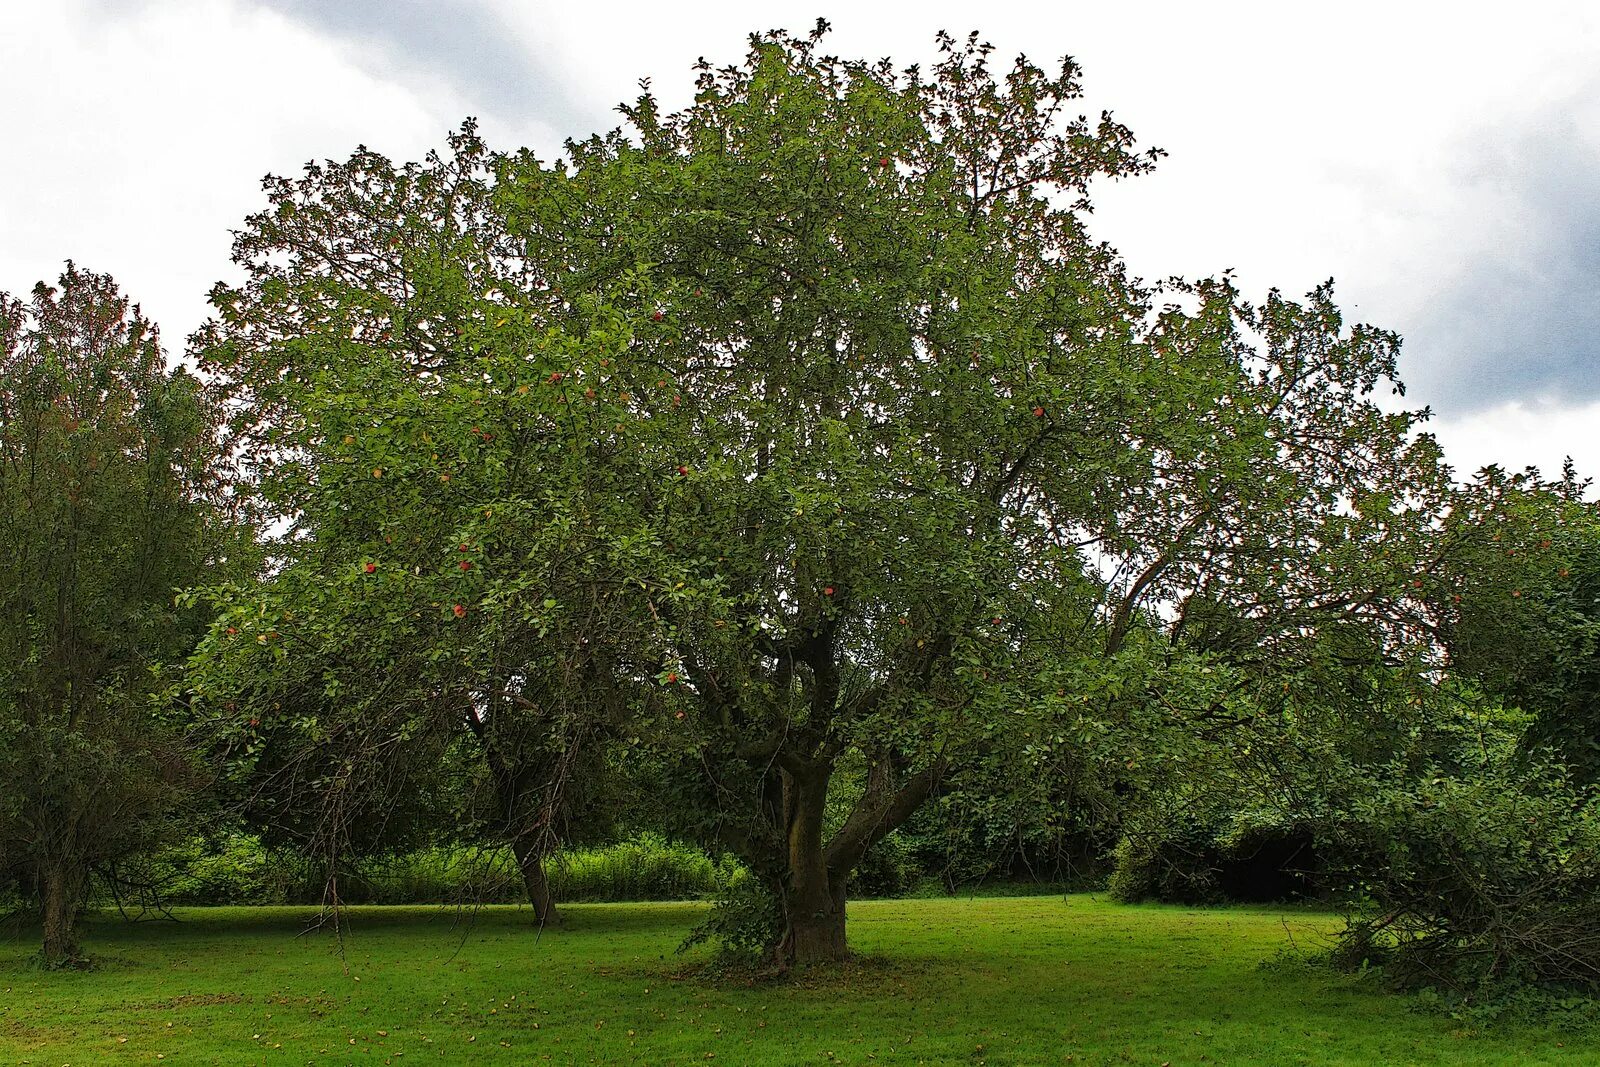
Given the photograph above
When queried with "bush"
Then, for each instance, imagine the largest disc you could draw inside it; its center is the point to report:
(646, 867)
(1176, 866)
(234, 869)
(887, 870)
(1191, 862)
(239, 870)
(1477, 881)
(744, 923)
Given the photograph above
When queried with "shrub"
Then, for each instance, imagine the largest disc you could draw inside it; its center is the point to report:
(239, 870)
(1192, 861)
(1476, 881)
(1177, 865)
(887, 870)
(646, 867)
(746, 920)
(232, 869)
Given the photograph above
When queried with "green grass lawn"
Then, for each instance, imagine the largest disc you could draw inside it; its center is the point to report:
(999, 981)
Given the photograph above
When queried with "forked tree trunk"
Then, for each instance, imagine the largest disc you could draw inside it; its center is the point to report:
(530, 861)
(60, 895)
(813, 892)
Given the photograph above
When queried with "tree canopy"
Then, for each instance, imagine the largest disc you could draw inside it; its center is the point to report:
(109, 503)
(805, 438)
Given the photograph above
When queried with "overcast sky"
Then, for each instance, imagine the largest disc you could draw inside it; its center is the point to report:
(1442, 163)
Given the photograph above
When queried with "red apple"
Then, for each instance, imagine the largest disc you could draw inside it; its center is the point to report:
(1038, 413)
(827, 591)
(657, 316)
(371, 567)
(459, 611)
(466, 564)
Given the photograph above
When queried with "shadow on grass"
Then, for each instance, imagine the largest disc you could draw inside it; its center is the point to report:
(230, 922)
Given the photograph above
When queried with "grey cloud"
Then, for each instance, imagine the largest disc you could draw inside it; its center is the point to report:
(464, 43)
(1521, 322)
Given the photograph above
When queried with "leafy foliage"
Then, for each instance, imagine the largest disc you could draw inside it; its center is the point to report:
(1518, 600)
(1480, 879)
(110, 500)
(455, 582)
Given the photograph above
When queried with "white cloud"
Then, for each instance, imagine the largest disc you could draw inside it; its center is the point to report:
(1302, 144)
(1520, 435)
(137, 137)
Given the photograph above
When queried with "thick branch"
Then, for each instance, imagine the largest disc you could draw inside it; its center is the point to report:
(875, 816)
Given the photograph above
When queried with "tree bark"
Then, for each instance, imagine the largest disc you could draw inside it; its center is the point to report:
(530, 861)
(60, 895)
(814, 903)
(815, 929)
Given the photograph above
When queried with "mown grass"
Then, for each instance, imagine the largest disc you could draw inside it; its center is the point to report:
(959, 981)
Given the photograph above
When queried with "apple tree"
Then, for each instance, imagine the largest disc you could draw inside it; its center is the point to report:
(806, 433)
(940, 473)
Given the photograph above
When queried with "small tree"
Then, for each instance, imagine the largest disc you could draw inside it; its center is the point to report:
(457, 576)
(108, 504)
(1518, 605)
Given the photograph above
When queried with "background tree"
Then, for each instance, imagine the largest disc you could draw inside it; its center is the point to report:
(1518, 604)
(454, 579)
(110, 500)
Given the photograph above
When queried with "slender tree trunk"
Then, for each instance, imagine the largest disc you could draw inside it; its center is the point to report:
(530, 861)
(60, 895)
(523, 824)
(814, 919)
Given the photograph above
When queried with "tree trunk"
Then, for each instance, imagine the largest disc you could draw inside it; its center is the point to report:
(524, 824)
(60, 895)
(814, 930)
(530, 861)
